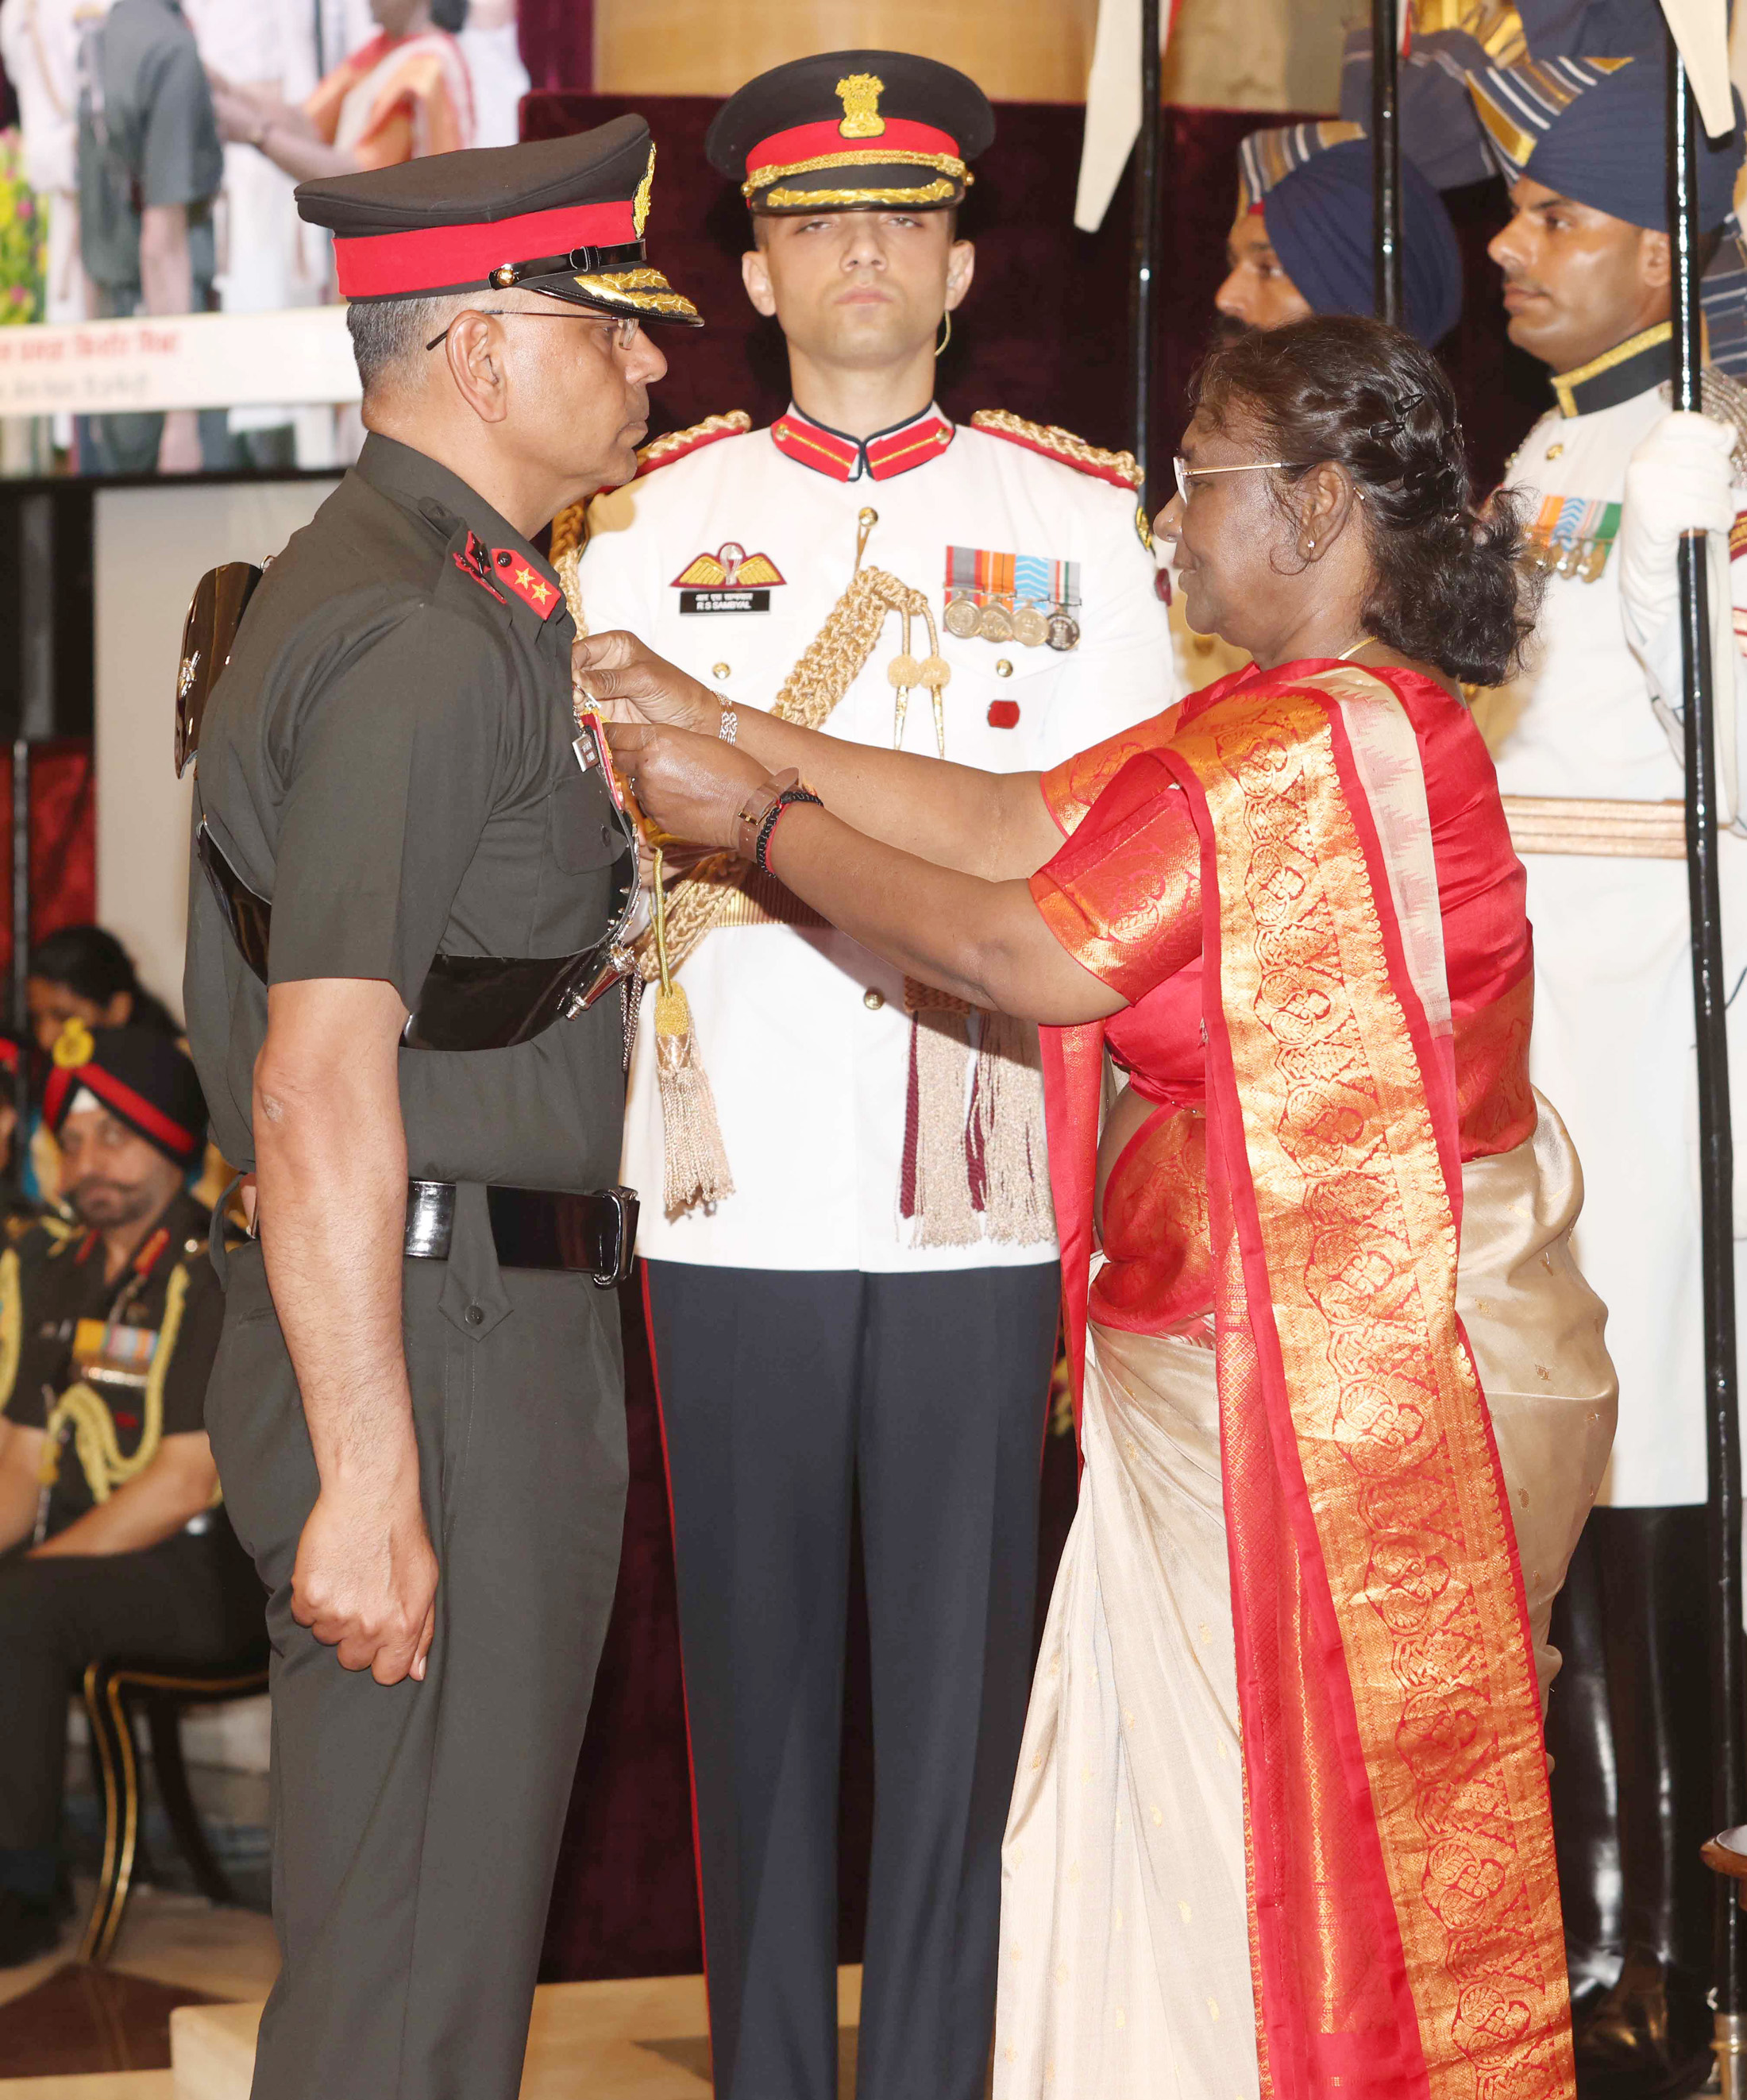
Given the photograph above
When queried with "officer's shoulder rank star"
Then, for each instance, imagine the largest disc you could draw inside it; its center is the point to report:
(1121, 469)
(525, 580)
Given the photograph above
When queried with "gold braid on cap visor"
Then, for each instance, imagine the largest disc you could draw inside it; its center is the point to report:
(892, 156)
(642, 291)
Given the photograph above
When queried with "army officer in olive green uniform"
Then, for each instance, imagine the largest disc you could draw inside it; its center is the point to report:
(110, 1541)
(410, 873)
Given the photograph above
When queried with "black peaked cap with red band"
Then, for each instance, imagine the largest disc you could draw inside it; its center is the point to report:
(561, 216)
(141, 1077)
(852, 131)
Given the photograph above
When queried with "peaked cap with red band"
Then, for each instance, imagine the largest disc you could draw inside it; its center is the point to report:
(141, 1077)
(561, 216)
(852, 131)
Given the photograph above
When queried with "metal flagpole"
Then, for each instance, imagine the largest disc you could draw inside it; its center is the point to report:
(1716, 1145)
(1145, 238)
(1386, 158)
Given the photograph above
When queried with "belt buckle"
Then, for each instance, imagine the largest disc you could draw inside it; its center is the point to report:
(622, 1247)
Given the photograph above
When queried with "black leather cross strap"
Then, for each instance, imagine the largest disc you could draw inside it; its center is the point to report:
(595, 1234)
(467, 1002)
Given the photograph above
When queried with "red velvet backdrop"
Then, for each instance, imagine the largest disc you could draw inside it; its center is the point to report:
(557, 39)
(62, 840)
(1044, 333)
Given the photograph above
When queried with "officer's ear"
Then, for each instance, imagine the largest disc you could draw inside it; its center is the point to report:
(756, 275)
(474, 352)
(1656, 259)
(961, 266)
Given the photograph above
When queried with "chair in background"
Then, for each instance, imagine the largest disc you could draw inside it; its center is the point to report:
(112, 1686)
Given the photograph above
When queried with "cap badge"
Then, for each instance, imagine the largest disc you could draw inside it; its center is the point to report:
(640, 202)
(74, 1046)
(859, 94)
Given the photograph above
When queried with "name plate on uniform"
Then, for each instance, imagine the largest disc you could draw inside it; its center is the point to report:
(725, 601)
(729, 580)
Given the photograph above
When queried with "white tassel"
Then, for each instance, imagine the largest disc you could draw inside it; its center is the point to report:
(695, 1159)
(1008, 1154)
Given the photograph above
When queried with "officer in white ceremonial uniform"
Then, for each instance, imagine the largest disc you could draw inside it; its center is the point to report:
(1588, 743)
(871, 1311)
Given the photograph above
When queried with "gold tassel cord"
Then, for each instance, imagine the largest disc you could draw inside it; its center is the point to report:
(94, 1438)
(831, 663)
(11, 1324)
(695, 1161)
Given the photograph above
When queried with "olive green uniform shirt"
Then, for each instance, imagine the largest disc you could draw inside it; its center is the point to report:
(387, 758)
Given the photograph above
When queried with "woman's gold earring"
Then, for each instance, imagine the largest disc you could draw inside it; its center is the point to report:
(947, 335)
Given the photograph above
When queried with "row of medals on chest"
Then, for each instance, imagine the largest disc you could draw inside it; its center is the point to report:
(996, 620)
(1542, 555)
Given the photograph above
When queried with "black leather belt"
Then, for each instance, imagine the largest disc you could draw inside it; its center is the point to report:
(594, 1234)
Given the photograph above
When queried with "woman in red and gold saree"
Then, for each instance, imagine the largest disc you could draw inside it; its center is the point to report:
(403, 95)
(1281, 1821)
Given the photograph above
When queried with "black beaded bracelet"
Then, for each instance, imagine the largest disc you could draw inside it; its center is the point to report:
(788, 797)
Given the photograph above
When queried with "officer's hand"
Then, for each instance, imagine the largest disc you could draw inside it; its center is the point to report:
(365, 1582)
(691, 786)
(634, 684)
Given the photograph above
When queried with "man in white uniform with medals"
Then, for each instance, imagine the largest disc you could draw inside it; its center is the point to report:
(1588, 743)
(853, 1288)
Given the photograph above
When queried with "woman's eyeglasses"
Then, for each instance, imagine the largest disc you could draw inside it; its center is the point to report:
(623, 329)
(1186, 474)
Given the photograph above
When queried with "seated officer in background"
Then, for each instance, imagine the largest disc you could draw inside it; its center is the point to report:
(861, 1298)
(108, 1520)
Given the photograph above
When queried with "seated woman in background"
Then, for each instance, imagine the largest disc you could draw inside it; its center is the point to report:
(80, 974)
(1282, 1798)
(83, 974)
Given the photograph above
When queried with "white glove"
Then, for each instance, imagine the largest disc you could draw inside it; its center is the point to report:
(1680, 479)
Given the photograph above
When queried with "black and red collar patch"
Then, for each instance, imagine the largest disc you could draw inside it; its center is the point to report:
(881, 457)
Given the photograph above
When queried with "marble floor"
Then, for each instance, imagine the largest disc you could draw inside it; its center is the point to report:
(643, 2039)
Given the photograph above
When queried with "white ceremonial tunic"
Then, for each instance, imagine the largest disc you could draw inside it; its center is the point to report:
(802, 1031)
(1614, 1047)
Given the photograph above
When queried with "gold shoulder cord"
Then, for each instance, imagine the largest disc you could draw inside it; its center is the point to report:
(11, 1325)
(833, 661)
(94, 1438)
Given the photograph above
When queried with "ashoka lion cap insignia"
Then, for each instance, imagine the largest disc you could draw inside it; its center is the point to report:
(852, 131)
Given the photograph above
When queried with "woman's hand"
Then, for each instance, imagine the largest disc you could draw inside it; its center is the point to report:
(637, 685)
(692, 786)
